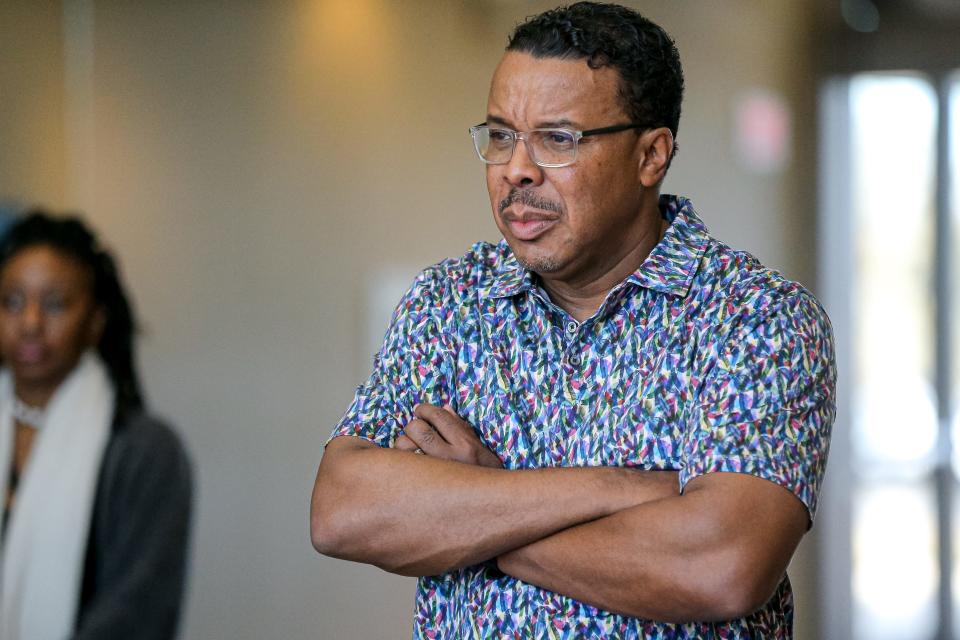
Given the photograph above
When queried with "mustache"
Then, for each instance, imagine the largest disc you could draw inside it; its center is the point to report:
(529, 199)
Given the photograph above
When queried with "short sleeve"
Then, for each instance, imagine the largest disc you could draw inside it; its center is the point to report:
(768, 405)
(413, 366)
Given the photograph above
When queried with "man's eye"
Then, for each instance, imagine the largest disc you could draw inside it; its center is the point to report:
(559, 138)
(500, 136)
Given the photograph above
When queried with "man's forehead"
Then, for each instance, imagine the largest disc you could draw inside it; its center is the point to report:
(519, 70)
(550, 87)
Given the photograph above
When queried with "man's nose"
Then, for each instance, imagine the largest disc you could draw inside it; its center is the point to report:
(522, 171)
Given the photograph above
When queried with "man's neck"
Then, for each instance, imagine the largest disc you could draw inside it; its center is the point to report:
(582, 298)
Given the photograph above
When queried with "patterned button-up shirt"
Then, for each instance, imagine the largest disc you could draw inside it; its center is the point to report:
(702, 360)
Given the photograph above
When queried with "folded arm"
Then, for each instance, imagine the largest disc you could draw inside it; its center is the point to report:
(622, 540)
(714, 553)
(425, 515)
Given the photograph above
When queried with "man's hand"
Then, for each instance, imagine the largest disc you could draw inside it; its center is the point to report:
(439, 432)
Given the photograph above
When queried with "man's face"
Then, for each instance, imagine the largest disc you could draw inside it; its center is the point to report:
(570, 224)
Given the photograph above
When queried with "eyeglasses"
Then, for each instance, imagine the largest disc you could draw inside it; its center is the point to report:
(546, 147)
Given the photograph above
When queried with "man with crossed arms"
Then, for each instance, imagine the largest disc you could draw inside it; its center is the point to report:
(608, 425)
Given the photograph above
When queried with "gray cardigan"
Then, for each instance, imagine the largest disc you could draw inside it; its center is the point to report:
(133, 579)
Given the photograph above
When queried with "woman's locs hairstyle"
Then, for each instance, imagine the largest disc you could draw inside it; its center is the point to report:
(75, 239)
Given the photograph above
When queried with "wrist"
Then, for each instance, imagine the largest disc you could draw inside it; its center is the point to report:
(638, 486)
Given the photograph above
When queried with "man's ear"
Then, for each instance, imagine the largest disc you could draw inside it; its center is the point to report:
(659, 150)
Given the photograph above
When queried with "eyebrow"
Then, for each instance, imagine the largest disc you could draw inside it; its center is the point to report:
(555, 124)
(549, 124)
(496, 120)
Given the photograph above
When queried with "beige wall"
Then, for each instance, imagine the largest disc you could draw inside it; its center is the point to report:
(32, 152)
(261, 166)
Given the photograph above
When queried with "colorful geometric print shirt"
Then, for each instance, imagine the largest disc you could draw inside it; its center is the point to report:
(700, 361)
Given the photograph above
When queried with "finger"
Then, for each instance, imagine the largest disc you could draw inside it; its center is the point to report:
(404, 443)
(426, 411)
(463, 430)
(447, 423)
(425, 436)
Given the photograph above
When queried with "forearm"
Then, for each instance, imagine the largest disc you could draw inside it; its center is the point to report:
(420, 515)
(673, 560)
(633, 572)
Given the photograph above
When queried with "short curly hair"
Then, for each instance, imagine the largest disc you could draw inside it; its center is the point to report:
(646, 58)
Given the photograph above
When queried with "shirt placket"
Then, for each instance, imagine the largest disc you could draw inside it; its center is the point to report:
(568, 393)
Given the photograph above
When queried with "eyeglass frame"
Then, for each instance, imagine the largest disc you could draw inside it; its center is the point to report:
(577, 136)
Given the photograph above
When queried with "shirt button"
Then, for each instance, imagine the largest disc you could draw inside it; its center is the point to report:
(572, 327)
(574, 359)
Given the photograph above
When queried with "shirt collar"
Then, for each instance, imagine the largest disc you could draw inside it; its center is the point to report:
(669, 268)
(671, 265)
(509, 278)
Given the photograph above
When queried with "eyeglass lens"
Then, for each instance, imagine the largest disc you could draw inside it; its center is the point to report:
(545, 146)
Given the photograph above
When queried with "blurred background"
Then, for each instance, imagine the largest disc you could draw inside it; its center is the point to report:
(273, 174)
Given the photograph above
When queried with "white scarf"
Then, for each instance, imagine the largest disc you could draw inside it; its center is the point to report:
(43, 554)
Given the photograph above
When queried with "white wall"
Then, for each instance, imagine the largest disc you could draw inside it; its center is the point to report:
(259, 165)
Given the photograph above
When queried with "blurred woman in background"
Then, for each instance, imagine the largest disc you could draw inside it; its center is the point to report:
(97, 493)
